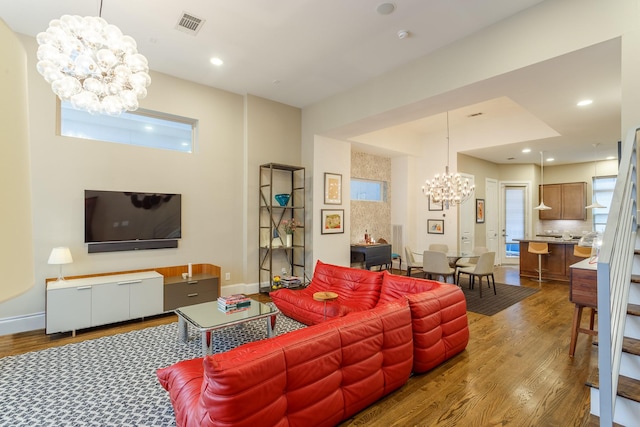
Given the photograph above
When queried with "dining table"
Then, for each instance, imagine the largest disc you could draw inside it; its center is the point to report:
(454, 256)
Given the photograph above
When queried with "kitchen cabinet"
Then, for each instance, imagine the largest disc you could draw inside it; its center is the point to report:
(567, 201)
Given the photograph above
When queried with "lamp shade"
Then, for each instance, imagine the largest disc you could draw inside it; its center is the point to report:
(60, 255)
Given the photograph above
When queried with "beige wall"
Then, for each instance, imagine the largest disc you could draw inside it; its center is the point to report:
(217, 182)
(16, 250)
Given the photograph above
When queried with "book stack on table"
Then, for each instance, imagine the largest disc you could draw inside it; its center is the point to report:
(233, 303)
(290, 281)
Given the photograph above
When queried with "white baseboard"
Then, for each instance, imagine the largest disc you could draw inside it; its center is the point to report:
(24, 323)
(240, 288)
(32, 322)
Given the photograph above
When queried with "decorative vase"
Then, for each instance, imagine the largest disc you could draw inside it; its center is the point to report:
(288, 240)
(282, 199)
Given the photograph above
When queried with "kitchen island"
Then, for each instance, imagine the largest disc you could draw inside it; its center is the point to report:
(554, 266)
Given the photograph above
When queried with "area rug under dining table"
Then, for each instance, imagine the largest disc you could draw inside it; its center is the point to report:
(109, 381)
(490, 304)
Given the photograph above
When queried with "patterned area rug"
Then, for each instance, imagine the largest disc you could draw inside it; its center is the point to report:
(110, 381)
(490, 304)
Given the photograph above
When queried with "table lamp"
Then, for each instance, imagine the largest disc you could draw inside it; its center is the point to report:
(60, 255)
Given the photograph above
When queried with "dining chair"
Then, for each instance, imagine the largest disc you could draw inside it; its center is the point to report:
(439, 247)
(436, 264)
(471, 262)
(410, 260)
(484, 268)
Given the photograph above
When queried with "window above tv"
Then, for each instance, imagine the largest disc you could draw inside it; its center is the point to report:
(143, 128)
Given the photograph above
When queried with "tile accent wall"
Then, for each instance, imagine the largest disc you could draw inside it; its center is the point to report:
(375, 217)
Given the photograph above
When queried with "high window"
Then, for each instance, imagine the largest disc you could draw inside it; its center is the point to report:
(367, 190)
(143, 128)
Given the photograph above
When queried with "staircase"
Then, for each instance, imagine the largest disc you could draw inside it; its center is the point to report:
(615, 386)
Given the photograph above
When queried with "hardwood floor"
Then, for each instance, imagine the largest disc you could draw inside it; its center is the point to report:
(515, 371)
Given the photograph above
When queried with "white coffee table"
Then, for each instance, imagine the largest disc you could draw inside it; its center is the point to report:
(207, 317)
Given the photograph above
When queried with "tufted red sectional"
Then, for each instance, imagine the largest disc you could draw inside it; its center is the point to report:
(381, 328)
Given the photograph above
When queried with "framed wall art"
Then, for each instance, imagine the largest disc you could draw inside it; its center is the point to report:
(435, 206)
(479, 210)
(332, 189)
(435, 226)
(332, 221)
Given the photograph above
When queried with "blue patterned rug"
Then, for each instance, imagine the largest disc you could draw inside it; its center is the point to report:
(110, 381)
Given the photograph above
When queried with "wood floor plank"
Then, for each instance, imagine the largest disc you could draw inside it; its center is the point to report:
(515, 371)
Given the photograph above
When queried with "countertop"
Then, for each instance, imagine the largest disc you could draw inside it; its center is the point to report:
(554, 240)
(586, 264)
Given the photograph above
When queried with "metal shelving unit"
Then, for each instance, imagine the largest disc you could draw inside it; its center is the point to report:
(275, 257)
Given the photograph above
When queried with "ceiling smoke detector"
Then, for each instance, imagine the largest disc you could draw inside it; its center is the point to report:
(189, 23)
(403, 34)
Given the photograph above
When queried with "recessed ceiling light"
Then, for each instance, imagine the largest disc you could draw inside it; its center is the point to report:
(526, 150)
(585, 102)
(217, 61)
(610, 158)
(550, 159)
(386, 8)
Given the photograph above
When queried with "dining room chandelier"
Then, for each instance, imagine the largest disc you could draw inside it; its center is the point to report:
(448, 188)
(92, 64)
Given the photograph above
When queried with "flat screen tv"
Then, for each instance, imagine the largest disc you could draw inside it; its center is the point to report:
(135, 220)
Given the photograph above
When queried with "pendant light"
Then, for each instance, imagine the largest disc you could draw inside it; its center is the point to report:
(595, 204)
(448, 188)
(542, 206)
(92, 64)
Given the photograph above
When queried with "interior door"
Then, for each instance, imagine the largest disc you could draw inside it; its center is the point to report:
(492, 217)
(514, 220)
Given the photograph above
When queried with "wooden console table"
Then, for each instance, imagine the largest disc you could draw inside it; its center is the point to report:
(583, 292)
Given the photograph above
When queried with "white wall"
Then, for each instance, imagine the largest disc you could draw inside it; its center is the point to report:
(332, 156)
(548, 30)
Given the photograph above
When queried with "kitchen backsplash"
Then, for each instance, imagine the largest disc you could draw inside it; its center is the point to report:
(575, 227)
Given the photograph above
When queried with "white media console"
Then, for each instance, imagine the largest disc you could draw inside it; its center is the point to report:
(94, 301)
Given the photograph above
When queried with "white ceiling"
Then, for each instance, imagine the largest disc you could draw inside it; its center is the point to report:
(301, 51)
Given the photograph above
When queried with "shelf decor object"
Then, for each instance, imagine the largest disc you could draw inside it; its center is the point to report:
(59, 256)
(282, 199)
(92, 64)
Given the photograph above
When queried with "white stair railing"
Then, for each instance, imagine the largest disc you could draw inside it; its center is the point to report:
(614, 277)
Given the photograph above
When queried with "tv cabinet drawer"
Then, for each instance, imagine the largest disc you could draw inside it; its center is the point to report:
(179, 292)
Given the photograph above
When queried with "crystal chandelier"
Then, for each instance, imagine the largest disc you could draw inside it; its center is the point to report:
(448, 188)
(92, 64)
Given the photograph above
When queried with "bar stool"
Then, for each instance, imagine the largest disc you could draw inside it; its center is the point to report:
(539, 248)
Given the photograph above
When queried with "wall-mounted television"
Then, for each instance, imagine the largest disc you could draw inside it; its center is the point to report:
(124, 220)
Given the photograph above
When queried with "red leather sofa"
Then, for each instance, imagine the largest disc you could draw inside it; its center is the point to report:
(316, 376)
(438, 310)
(381, 328)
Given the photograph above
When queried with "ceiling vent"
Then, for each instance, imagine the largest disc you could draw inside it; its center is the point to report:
(189, 23)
